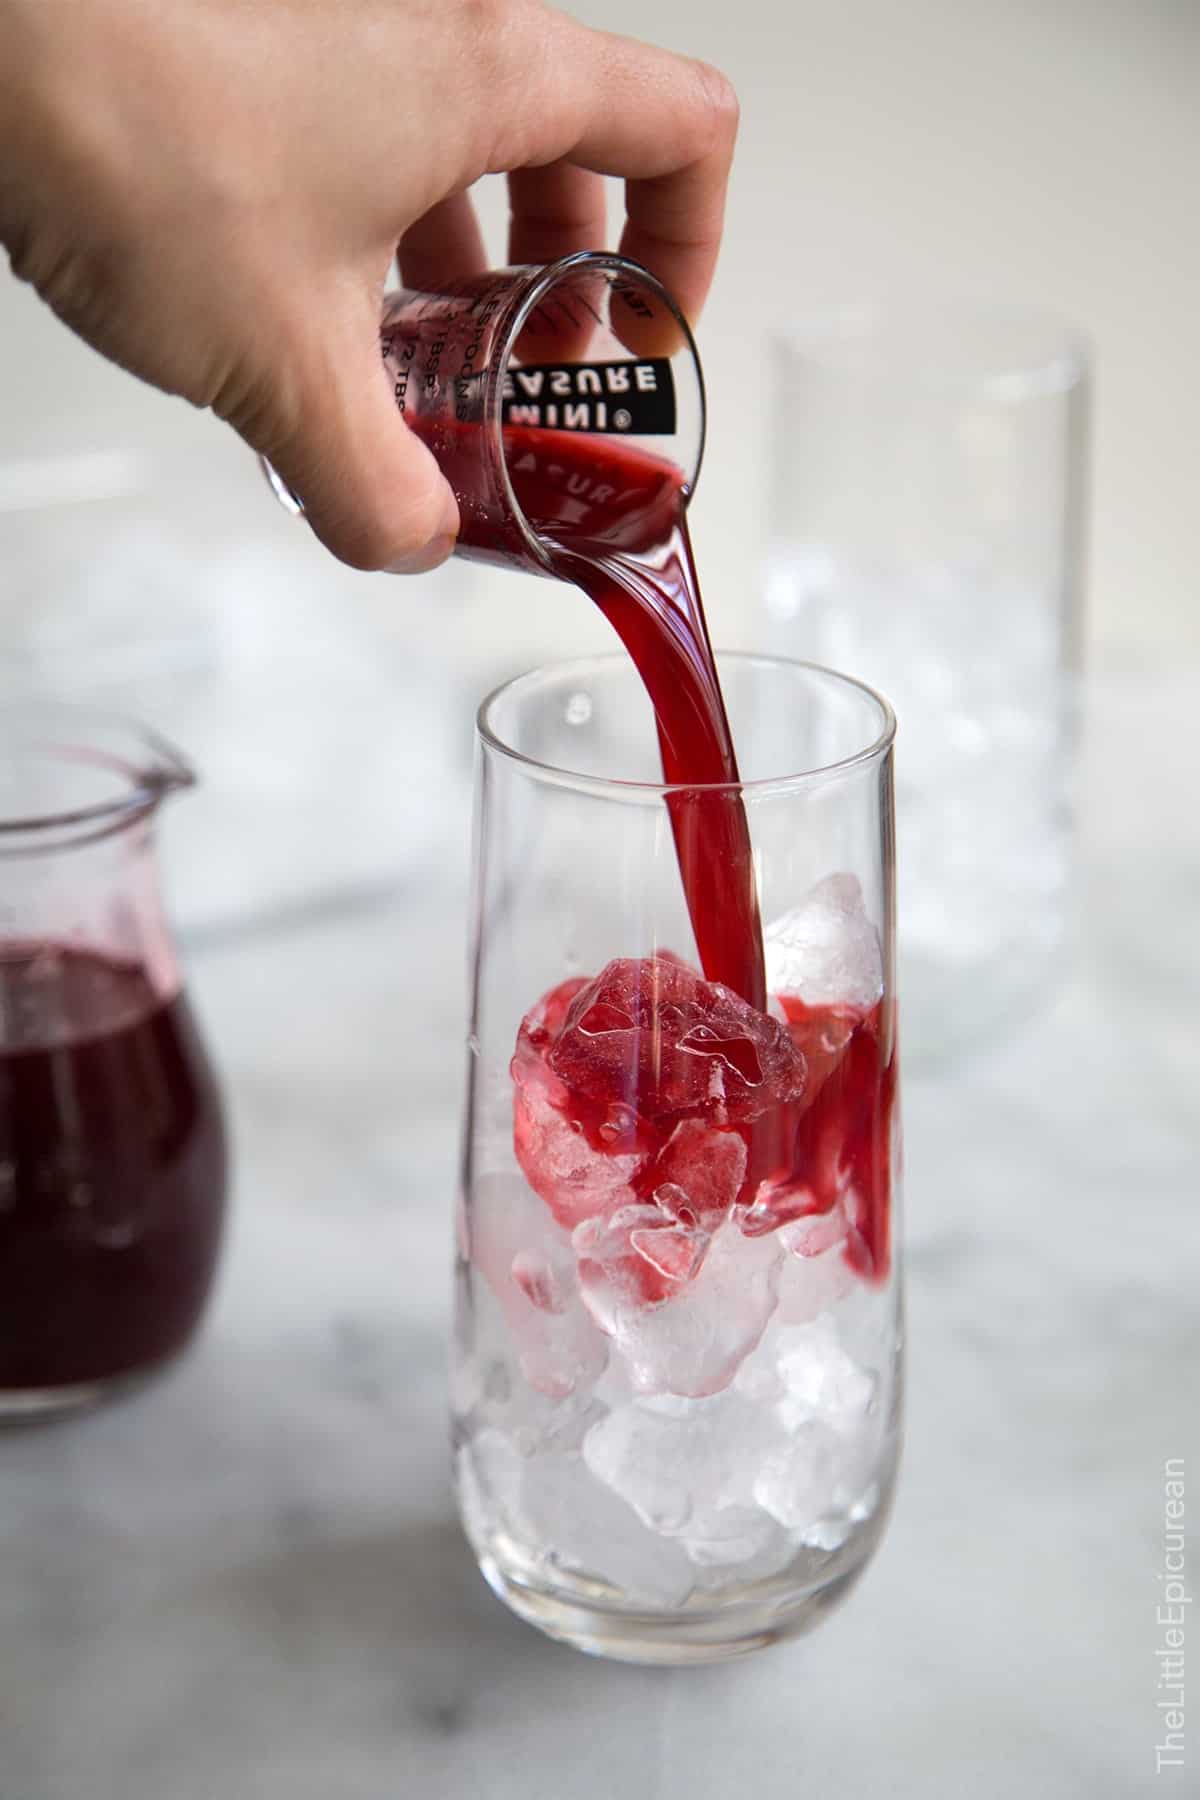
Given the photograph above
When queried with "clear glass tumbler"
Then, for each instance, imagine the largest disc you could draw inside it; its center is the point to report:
(926, 526)
(677, 1358)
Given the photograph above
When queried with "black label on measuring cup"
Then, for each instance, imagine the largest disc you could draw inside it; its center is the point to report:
(627, 399)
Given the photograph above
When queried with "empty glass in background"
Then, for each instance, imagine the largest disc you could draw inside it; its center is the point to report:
(926, 514)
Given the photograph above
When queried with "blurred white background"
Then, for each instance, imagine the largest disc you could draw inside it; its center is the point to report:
(946, 148)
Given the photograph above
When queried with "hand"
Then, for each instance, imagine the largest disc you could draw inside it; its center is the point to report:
(211, 192)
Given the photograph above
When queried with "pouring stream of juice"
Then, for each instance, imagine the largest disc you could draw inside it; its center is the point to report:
(613, 520)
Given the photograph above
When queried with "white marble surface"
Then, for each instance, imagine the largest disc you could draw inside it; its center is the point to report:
(248, 1581)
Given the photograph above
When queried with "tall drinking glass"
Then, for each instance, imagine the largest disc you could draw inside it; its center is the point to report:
(926, 513)
(677, 1355)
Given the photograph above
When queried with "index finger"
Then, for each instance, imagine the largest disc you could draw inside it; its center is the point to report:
(666, 125)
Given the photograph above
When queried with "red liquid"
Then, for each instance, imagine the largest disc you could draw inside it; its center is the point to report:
(112, 1170)
(645, 1050)
(614, 522)
(834, 1147)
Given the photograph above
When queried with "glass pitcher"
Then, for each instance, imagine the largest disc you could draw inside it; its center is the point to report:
(112, 1143)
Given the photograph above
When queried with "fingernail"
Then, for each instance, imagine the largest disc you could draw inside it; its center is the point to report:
(430, 556)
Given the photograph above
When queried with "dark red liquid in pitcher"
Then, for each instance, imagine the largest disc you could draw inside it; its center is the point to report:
(112, 1169)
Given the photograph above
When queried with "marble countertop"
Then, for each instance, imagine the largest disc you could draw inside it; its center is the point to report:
(248, 1581)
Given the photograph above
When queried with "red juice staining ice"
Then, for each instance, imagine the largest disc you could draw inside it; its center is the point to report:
(649, 1033)
(840, 1149)
(112, 1169)
(631, 1117)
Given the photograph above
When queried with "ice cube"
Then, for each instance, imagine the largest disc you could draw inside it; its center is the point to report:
(693, 1342)
(635, 1258)
(815, 1275)
(592, 1537)
(759, 1378)
(689, 1473)
(826, 1407)
(490, 1390)
(497, 1468)
(698, 1173)
(819, 1485)
(575, 1181)
(527, 1262)
(797, 1483)
(488, 1467)
(652, 1035)
(826, 951)
(771, 1555)
(811, 1237)
(558, 1521)
(821, 1380)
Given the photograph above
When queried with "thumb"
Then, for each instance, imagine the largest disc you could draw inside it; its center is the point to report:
(370, 489)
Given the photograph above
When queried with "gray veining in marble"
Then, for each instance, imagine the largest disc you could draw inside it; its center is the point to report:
(248, 1581)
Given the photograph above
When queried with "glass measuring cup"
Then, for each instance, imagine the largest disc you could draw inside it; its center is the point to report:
(112, 1144)
(496, 372)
